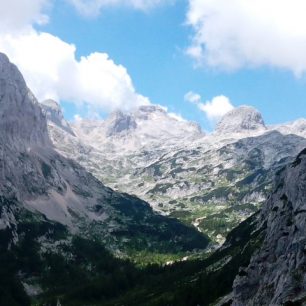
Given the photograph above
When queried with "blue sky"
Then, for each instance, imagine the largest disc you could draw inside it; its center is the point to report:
(152, 46)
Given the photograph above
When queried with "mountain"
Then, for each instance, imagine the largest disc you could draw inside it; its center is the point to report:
(119, 123)
(54, 115)
(262, 261)
(147, 126)
(49, 204)
(212, 182)
(240, 120)
(276, 273)
(297, 127)
(65, 238)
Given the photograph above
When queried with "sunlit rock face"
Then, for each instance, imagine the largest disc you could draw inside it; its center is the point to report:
(21, 120)
(276, 273)
(241, 119)
(54, 114)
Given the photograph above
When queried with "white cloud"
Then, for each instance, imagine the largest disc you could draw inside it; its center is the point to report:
(52, 70)
(215, 109)
(94, 7)
(247, 33)
(17, 14)
(192, 97)
(50, 67)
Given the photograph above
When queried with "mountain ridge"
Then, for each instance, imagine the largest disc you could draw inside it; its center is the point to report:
(202, 180)
(57, 218)
(45, 182)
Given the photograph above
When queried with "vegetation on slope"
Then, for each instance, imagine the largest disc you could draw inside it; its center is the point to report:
(57, 266)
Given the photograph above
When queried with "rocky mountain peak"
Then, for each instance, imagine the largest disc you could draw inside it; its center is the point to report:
(241, 119)
(146, 112)
(297, 127)
(22, 123)
(196, 127)
(119, 122)
(54, 114)
(144, 127)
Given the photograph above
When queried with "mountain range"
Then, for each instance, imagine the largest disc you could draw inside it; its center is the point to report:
(209, 181)
(143, 208)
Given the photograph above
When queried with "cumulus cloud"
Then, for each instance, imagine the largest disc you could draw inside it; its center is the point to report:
(192, 97)
(94, 7)
(215, 109)
(16, 14)
(52, 70)
(246, 33)
(50, 67)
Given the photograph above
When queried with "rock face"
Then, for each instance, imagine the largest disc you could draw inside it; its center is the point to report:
(265, 255)
(276, 273)
(147, 126)
(297, 127)
(212, 182)
(53, 113)
(240, 120)
(21, 119)
(118, 123)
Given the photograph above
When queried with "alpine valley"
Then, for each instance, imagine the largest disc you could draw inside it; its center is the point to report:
(143, 208)
(211, 182)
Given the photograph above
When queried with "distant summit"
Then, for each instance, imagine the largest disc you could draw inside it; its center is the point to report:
(119, 122)
(241, 119)
(146, 126)
(297, 127)
(53, 112)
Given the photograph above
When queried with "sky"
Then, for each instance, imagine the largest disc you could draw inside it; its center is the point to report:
(197, 58)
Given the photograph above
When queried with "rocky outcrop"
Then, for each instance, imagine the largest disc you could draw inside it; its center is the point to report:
(276, 273)
(21, 119)
(119, 122)
(54, 114)
(240, 120)
(297, 127)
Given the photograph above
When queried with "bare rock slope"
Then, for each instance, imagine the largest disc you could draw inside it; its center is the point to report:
(42, 182)
(276, 273)
(212, 182)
